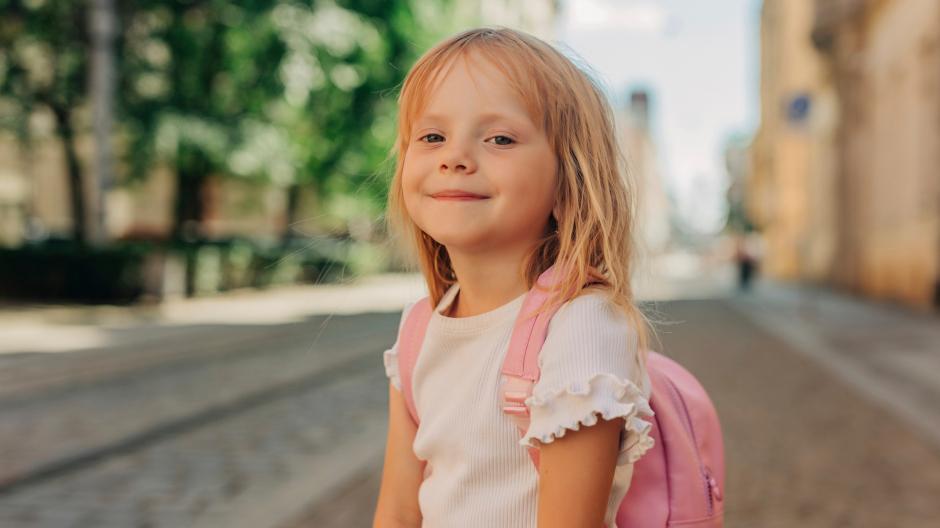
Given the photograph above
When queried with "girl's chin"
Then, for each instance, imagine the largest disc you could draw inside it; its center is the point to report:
(460, 241)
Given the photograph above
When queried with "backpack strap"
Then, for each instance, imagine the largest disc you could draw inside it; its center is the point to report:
(520, 367)
(409, 345)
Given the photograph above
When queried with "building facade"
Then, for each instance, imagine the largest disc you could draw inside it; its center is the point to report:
(790, 186)
(653, 218)
(851, 194)
(884, 59)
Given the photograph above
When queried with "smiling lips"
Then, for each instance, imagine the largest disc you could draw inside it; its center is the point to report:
(454, 194)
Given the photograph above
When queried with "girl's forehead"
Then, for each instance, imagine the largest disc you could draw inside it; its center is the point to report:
(470, 77)
(473, 85)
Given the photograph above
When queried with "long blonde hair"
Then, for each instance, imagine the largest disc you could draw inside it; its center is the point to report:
(593, 236)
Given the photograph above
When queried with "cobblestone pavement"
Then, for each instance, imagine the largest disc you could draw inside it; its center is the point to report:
(890, 354)
(804, 446)
(193, 425)
(66, 426)
(231, 473)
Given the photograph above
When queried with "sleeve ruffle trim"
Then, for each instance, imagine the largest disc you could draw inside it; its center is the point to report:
(390, 358)
(554, 412)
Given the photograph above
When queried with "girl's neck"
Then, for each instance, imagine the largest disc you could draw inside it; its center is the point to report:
(485, 283)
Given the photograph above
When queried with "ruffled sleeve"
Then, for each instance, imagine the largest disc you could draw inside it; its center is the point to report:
(589, 369)
(390, 356)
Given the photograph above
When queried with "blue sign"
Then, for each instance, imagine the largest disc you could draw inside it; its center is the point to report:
(798, 108)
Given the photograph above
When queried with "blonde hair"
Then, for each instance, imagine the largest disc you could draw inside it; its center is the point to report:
(593, 238)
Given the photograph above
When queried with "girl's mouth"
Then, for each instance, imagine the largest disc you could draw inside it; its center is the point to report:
(453, 194)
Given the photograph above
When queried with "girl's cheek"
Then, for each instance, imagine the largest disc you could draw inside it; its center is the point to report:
(409, 183)
(407, 173)
(411, 191)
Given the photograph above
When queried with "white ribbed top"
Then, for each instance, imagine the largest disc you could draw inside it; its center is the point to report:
(478, 472)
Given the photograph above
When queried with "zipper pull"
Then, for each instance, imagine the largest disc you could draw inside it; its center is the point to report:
(713, 485)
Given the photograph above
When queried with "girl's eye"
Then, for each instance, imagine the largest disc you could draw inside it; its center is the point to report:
(427, 136)
(503, 140)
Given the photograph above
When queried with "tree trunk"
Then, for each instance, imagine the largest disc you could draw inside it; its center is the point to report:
(189, 209)
(102, 27)
(76, 181)
(188, 215)
(293, 205)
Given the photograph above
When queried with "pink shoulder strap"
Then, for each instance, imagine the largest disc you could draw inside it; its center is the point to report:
(521, 367)
(409, 345)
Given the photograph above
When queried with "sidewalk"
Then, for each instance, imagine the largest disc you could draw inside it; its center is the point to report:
(889, 353)
(61, 328)
(35, 327)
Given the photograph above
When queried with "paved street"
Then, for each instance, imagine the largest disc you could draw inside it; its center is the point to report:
(196, 415)
(269, 409)
(804, 446)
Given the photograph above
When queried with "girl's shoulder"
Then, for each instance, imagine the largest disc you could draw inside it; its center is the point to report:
(595, 292)
(592, 300)
(592, 311)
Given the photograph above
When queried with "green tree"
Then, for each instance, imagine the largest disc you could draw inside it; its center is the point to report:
(43, 63)
(291, 93)
(197, 79)
(341, 112)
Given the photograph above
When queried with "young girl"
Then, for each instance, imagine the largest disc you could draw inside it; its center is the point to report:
(508, 163)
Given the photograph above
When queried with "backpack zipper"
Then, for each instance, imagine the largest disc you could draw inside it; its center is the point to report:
(710, 484)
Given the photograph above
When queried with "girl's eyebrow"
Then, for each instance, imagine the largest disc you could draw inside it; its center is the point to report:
(484, 118)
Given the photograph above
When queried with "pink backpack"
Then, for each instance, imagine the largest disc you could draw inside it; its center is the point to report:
(678, 482)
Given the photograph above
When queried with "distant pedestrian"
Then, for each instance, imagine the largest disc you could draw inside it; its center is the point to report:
(746, 255)
(509, 167)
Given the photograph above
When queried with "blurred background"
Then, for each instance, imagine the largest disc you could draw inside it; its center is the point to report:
(196, 283)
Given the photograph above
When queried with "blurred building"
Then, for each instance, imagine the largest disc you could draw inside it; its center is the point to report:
(532, 16)
(844, 182)
(653, 218)
(13, 196)
(885, 64)
(737, 152)
(790, 189)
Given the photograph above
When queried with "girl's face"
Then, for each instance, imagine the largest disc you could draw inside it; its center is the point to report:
(475, 137)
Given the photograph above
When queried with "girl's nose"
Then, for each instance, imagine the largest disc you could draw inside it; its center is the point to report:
(457, 159)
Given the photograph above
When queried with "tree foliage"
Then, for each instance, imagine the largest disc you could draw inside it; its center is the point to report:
(296, 94)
